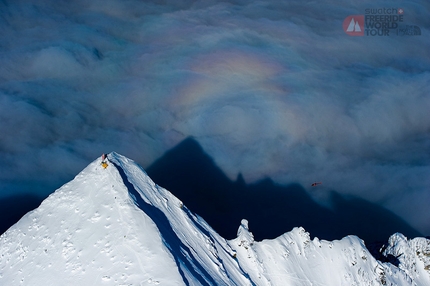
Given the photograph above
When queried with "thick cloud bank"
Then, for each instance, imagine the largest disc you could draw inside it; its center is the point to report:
(268, 88)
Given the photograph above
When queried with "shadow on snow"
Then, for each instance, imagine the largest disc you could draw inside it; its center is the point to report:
(179, 250)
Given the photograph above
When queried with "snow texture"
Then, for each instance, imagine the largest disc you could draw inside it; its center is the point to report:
(115, 226)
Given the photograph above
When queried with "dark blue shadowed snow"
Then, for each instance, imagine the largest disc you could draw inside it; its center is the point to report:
(179, 251)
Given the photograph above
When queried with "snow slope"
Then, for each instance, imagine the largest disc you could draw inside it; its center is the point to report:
(115, 226)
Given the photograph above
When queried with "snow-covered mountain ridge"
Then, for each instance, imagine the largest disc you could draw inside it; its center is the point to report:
(115, 226)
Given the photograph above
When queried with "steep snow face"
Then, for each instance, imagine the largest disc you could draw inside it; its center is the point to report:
(115, 226)
(201, 255)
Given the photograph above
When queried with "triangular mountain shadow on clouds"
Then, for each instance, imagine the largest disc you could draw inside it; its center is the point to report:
(271, 209)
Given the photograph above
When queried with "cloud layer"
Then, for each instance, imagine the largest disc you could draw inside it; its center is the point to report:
(270, 89)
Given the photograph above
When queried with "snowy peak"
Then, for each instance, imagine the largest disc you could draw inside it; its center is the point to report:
(112, 225)
(412, 256)
(89, 231)
(243, 233)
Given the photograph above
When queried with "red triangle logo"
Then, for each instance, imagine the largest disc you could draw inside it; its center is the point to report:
(353, 25)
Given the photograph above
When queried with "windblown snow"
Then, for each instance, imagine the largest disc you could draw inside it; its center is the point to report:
(115, 226)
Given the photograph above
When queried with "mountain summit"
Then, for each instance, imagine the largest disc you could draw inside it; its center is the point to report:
(115, 226)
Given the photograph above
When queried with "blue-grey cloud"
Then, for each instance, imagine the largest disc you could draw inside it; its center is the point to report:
(270, 89)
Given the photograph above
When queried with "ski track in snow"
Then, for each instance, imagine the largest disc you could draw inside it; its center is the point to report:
(115, 226)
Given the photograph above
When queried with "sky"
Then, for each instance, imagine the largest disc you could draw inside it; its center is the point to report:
(268, 88)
